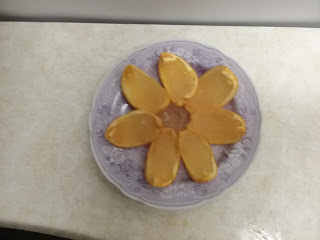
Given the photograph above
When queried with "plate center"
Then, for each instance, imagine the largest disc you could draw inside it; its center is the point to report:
(175, 117)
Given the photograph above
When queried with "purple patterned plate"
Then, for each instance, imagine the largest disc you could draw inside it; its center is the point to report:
(125, 167)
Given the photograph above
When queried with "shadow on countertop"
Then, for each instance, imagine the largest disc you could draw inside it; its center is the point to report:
(12, 234)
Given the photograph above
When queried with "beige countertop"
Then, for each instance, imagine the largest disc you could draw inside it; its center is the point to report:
(49, 181)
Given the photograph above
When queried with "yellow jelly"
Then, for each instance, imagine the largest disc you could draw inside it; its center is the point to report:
(178, 78)
(133, 129)
(215, 89)
(142, 91)
(218, 126)
(163, 159)
(197, 156)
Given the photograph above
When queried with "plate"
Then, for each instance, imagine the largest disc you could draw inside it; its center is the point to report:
(125, 167)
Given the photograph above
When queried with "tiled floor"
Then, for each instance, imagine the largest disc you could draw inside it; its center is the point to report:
(11, 234)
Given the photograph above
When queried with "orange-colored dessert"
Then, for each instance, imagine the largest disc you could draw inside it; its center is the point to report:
(183, 128)
(137, 86)
(163, 159)
(177, 77)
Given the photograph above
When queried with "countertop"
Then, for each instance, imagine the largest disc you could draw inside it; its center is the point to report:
(49, 181)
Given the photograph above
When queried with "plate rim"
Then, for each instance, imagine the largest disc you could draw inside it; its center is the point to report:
(202, 201)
